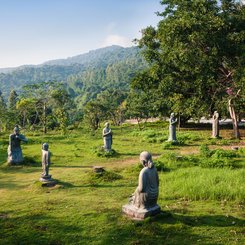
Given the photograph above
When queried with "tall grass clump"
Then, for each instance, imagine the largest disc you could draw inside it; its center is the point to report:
(218, 158)
(203, 184)
(172, 160)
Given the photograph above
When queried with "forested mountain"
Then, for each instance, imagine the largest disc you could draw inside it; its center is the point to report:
(84, 75)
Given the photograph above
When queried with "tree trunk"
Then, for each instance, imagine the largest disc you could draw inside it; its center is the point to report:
(138, 121)
(44, 119)
(234, 119)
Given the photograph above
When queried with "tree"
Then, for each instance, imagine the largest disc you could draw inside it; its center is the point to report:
(12, 117)
(139, 105)
(61, 105)
(93, 114)
(12, 100)
(3, 112)
(112, 101)
(26, 107)
(196, 55)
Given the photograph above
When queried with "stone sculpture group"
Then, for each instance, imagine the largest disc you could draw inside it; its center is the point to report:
(143, 202)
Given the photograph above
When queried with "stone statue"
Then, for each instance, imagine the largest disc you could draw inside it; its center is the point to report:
(143, 202)
(172, 127)
(107, 136)
(215, 126)
(45, 176)
(45, 161)
(14, 149)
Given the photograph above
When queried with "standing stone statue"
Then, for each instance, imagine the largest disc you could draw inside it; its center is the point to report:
(14, 150)
(45, 161)
(45, 176)
(143, 202)
(107, 136)
(172, 128)
(215, 126)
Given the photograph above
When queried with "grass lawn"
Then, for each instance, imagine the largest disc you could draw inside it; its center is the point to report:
(202, 192)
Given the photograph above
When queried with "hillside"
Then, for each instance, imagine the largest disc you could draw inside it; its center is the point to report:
(85, 75)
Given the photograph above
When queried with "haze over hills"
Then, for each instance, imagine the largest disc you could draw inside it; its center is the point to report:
(85, 75)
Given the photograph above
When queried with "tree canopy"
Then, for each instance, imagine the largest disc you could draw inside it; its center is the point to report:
(196, 56)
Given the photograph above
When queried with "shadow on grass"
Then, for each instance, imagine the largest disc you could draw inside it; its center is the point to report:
(203, 220)
(147, 232)
(168, 228)
(39, 228)
(21, 169)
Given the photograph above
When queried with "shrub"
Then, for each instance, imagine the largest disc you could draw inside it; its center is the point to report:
(105, 176)
(100, 152)
(160, 165)
(204, 151)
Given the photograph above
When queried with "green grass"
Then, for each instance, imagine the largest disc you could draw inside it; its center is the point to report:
(200, 204)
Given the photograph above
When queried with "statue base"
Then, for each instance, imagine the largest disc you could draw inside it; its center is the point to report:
(140, 213)
(47, 181)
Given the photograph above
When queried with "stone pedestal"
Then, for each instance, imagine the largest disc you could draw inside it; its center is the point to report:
(140, 213)
(47, 181)
(98, 169)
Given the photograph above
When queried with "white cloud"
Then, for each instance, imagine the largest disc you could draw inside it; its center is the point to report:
(117, 40)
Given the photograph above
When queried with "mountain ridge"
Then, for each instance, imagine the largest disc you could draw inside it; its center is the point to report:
(76, 59)
(84, 76)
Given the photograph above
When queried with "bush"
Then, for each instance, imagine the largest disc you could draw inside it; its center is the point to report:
(204, 151)
(105, 176)
(218, 158)
(160, 165)
(100, 152)
(217, 163)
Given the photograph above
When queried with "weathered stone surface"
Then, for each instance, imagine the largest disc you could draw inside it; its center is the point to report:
(98, 169)
(143, 202)
(45, 176)
(140, 213)
(14, 149)
(215, 125)
(172, 128)
(107, 136)
(46, 155)
(48, 183)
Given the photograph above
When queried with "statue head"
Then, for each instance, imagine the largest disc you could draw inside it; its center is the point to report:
(107, 124)
(45, 147)
(146, 159)
(16, 129)
(172, 114)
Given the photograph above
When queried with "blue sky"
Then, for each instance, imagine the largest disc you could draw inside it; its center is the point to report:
(34, 31)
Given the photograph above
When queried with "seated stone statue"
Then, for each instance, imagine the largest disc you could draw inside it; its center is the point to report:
(45, 161)
(14, 150)
(107, 136)
(143, 201)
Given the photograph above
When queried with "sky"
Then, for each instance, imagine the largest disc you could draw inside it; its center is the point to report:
(34, 31)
